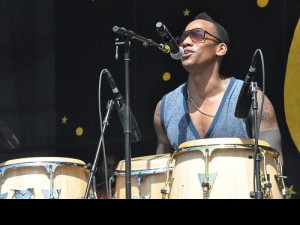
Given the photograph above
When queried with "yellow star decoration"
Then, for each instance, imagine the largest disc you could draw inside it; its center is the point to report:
(291, 191)
(186, 12)
(64, 120)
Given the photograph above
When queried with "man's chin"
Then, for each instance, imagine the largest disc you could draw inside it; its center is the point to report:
(186, 65)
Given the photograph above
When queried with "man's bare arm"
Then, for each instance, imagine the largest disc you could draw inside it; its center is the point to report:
(269, 130)
(163, 144)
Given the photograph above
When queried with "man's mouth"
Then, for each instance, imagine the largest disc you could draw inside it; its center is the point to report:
(187, 53)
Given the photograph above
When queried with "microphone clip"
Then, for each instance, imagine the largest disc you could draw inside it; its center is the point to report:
(165, 48)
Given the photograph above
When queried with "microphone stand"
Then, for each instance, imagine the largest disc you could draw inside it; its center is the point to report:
(127, 129)
(109, 107)
(128, 35)
(257, 193)
(146, 41)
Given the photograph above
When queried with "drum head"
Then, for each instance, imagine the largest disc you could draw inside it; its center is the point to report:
(230, 143)
(146, 162)
(43, 159)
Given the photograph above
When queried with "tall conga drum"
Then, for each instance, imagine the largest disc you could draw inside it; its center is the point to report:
(149, 175)
(43, 178)
(223, 168)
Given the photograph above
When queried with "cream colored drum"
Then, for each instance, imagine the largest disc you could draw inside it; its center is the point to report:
(148, 177)
(43, 178)
(223, 168)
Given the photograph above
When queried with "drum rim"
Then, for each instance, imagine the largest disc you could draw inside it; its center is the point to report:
(214, 141)
(229, 143)
(144, 171)
(42, 159)
(54, 164)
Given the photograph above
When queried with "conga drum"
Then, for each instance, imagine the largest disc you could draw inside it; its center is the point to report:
(149, 175)
(223, 168)
(43, 178)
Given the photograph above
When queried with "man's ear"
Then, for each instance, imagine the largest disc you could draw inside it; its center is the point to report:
(221, 49)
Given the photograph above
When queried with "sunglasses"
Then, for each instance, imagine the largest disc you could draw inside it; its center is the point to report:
(197, 35)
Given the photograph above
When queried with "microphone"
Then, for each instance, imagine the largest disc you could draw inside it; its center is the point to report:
(120, 106)
(244, 101)
(170, 43)
(8, 139)
(123, 31)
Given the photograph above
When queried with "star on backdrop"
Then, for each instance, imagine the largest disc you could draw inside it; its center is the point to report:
(186, 12)
(64, 120)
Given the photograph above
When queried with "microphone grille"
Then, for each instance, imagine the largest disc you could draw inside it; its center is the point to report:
(178, 55)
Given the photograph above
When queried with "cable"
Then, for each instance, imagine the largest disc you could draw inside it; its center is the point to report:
(263, 86)
(101, 129)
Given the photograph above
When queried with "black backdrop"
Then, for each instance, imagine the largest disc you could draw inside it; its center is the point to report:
(52, 53)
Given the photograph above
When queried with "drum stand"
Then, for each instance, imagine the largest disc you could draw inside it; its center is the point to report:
(109, 107)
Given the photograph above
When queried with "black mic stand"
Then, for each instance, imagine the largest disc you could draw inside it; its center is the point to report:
(127, 131)
(146, 41)
(109, 107)
(257, 193)
(128, 35)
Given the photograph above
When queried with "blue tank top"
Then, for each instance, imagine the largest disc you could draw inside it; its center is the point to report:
(179, 127)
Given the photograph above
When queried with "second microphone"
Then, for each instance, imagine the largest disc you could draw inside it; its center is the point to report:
(175, 51)
(120, 106)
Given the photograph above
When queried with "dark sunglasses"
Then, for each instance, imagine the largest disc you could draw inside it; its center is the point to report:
(197, 35)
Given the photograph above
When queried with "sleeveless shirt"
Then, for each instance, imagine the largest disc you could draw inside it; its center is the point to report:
(178, 125)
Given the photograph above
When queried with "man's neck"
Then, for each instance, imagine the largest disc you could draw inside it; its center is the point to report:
(205, 85)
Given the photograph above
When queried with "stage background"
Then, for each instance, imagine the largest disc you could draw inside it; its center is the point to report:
(52, 53)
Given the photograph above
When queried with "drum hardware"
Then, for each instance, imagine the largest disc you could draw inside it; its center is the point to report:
(23, 194)
(3, 196)
(51, 194)
(139, 180)
(166, 189)
(206, 178)
(266, 185)
(265, 177)
(168, 184)
(205, 183)
(280, 179)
